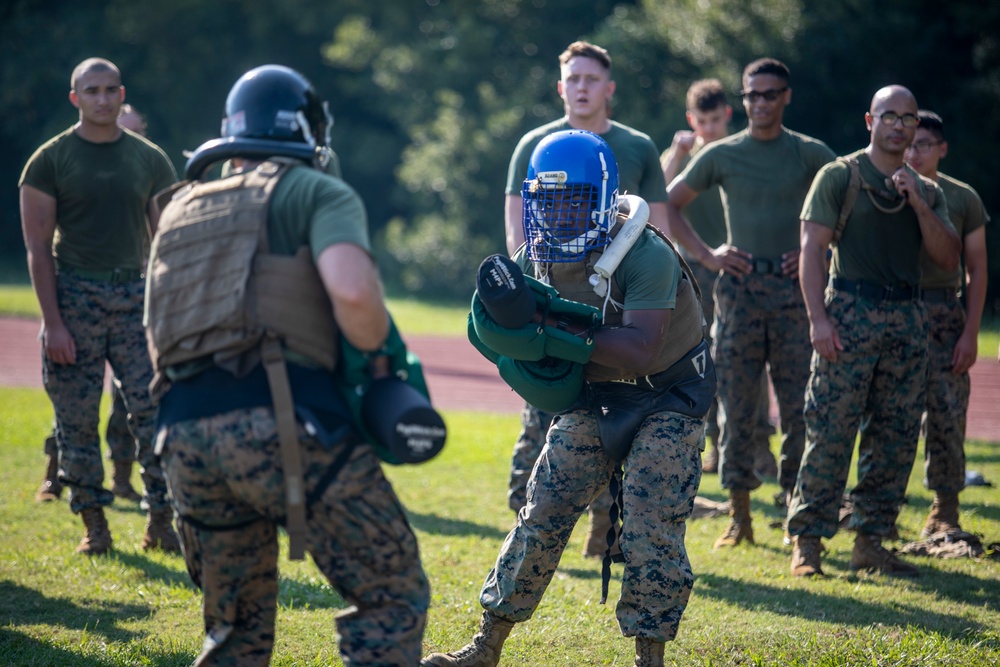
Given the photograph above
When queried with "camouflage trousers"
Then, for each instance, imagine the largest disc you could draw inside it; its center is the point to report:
(760, 324)
(947, 400)
(534, 425)
(662, 474)
(227, 485)
(121, 442)
(105, 320)
(878, 377)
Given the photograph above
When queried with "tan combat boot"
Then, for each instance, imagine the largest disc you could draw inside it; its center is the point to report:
(484, 651)
(648, 653)
(710, 463)
(740, 526)
(806, 556)
(160, 532)
(870, 555)
(598, 525)
(50, 489)
(121, 484)
(97, 541)
(944, 515)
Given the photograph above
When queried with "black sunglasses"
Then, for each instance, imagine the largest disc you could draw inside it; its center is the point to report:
(769, 95)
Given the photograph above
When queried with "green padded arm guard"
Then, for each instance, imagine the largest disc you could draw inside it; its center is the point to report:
(406, 429)
(533, 341)
(549, 383)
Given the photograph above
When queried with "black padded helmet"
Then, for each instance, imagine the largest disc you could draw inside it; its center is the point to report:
(276, 103)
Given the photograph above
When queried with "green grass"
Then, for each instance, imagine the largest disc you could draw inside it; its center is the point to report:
(132, 608)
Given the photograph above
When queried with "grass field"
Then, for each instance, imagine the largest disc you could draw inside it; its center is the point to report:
(133, 608)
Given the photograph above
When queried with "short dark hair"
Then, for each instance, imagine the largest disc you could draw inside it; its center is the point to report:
(767, 66)
(93, 65)
(706, 95)
(931, 122)
(587, 50)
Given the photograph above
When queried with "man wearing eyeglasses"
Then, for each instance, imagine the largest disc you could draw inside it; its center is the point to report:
(868, 328)
(954, 328)
(764, 173)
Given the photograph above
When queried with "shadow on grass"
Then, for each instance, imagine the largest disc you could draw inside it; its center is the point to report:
(848, 611)
(155, 571)
(23, 651)
(436, 525)
(26, 606)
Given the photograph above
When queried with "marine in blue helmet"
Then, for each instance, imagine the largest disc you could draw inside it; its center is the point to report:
(636, 421)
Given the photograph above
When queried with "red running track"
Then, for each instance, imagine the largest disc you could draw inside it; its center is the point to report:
(461, 379)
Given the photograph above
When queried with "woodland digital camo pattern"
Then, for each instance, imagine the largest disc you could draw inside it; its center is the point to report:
(527, 447)
(947, 400)
(662, 474)
(760, 319)
(225, 472)
(105, 320)
(878, 378)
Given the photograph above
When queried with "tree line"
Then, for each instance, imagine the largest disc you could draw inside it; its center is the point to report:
(430, 97)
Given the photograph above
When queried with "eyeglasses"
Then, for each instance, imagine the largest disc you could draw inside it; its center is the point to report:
(921, 147)
(769, 95)
(890, 118)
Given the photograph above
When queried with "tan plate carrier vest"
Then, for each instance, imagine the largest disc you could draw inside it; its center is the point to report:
(687, 322)
(215, 290)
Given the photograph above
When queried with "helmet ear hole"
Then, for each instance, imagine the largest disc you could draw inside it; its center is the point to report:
(570, 196)
(274, 102)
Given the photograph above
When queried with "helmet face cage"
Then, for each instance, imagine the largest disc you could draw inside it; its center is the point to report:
(277, 103)
(570, 197)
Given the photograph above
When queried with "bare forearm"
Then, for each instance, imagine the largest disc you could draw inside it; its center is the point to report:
(685, 235)
(41, 267)
(626, 348)
(812, 280)
(941, 242)
(975, 299)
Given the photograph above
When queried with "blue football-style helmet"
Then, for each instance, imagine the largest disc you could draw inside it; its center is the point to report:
(570, 196)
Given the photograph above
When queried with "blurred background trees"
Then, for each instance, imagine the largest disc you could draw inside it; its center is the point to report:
(430, 97)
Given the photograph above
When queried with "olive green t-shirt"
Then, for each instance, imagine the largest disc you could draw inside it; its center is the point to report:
(763, 184)
(967, 214)
(101, 191)
(648, 274)
(311, 208)
(638, 160)
(877, 247)
(705, 212)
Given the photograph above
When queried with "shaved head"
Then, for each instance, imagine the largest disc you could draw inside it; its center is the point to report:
(895, 94)
(93, 65)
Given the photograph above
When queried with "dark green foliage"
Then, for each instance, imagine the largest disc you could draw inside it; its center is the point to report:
(431, 97)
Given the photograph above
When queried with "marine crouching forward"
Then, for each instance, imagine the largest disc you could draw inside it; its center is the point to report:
(618, 352)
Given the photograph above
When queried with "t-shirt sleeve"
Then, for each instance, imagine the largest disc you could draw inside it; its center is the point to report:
(652, 188)
(518, 167)
(976, 215)
(164, 173)
(649, 274)
(826, 195)
(818, 155)
(700, 173)
(338, 216)
(39, 173)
